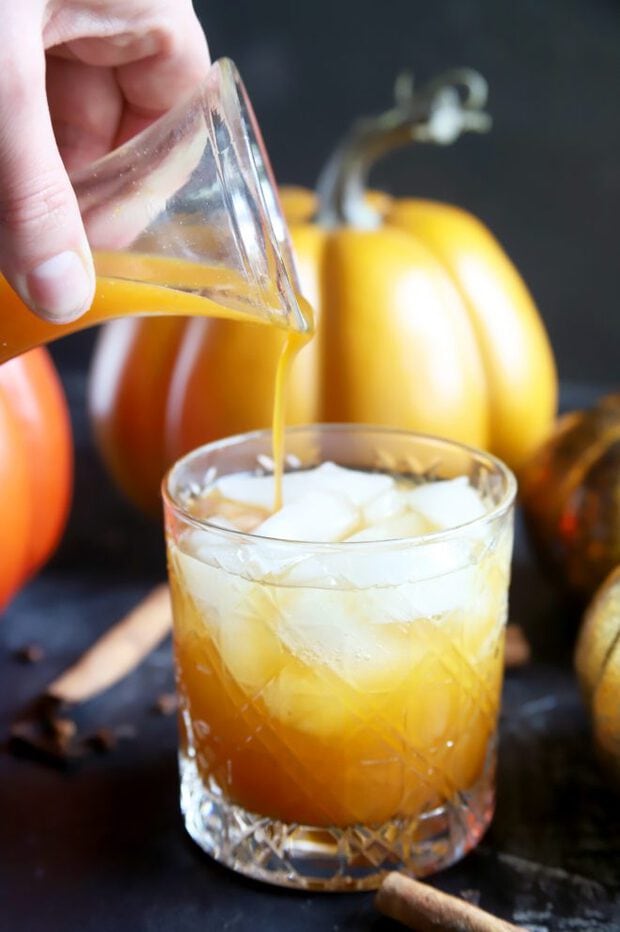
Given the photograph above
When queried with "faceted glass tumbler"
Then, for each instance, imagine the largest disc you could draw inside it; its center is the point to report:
(339, 702)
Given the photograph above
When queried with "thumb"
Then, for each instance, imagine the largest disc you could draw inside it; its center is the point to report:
(44, 252)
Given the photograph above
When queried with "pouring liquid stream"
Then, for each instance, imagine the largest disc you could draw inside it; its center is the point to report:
(142, 286)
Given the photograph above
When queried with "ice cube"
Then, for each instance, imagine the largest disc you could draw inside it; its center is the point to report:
(386, 505)
(239, 516)
(239, 616)
(406, 524)
(359, 487)
(363, 566)
(301, 699)
(411, 600)
(430, 598)
(248, 489)
(318, 516)
(332, 630)
(247, 641)
(243, 517)
(239, 556)
(322, 627)
(449, 503)
(216, 593)
(260, 490)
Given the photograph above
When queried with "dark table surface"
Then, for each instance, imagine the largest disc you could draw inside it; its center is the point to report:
(102, 847)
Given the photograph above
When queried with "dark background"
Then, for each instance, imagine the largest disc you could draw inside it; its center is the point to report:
(546, 180)
(103, 848)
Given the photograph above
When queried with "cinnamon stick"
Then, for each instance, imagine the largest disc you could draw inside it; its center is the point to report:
(117, 651)
(517, 650)
(419, 906)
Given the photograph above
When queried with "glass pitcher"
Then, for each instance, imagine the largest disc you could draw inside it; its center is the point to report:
(184, 219)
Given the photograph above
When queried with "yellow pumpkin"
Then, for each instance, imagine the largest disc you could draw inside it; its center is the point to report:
(597, 660)
(423, 323)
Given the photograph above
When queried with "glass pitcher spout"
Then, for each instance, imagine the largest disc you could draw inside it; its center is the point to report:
(184, 219)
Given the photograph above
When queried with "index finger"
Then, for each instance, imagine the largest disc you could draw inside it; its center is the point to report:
(153, 85)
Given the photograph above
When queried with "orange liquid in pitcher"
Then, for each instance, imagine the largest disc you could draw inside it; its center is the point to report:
(137, 285)
(131, 285)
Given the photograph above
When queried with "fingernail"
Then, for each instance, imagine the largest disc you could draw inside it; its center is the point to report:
(60, 288)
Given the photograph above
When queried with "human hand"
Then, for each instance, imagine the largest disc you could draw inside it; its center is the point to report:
(77, 78)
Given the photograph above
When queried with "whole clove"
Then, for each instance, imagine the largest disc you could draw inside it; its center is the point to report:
(517, 651)
(103, 740)
(46, 729)
(166, 704)
(30, 653)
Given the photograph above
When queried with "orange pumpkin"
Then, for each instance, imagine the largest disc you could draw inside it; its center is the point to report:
(36, 467)
(423, 323)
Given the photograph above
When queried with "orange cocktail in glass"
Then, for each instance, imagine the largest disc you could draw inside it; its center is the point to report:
(339, 661)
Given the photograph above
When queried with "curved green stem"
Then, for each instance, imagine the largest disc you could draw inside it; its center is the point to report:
(439, 112)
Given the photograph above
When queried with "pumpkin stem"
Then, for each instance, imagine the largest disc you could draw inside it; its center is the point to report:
(439, 112)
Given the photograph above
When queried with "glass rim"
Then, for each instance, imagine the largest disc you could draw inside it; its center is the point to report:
(273, 220)
(498, 511)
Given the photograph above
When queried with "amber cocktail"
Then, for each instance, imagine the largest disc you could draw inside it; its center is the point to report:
(339, 662)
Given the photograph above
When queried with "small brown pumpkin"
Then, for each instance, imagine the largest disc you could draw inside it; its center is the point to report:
(597, 660)
(570, 491)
